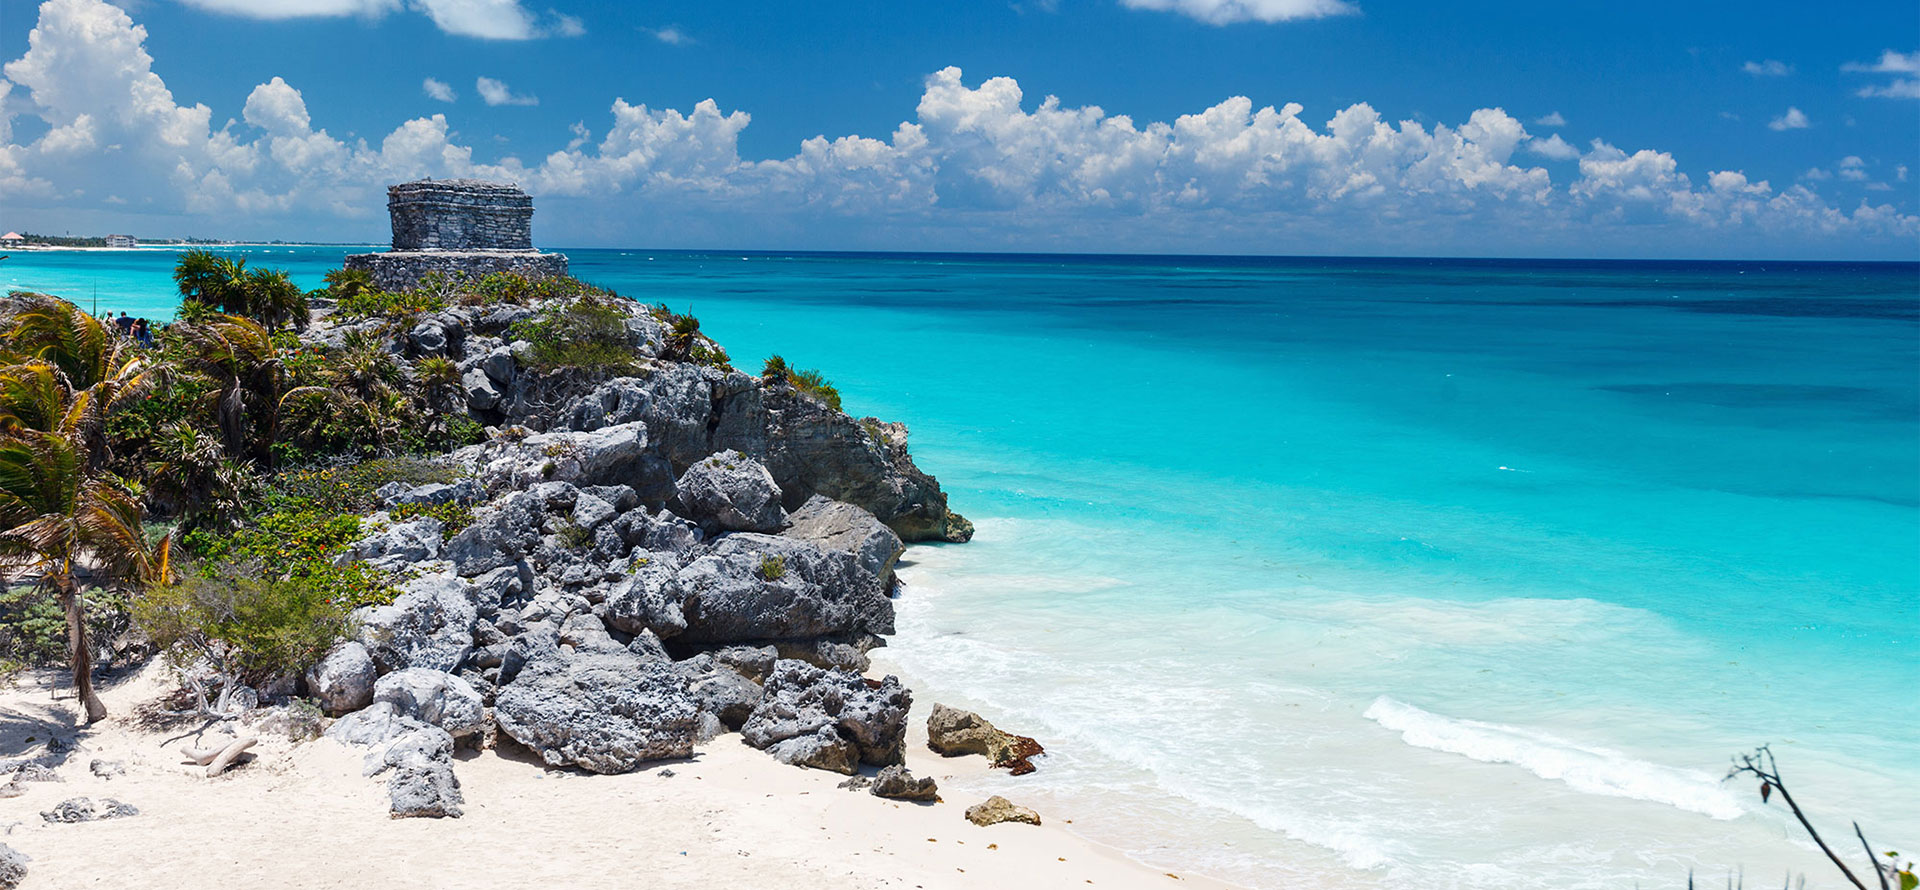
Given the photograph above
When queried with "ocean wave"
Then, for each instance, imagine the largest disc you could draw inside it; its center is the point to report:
(1583, 768)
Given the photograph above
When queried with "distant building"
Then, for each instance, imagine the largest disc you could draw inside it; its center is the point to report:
(12, 239)
(121, 241)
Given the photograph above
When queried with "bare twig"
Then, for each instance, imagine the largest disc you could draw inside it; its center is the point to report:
(1878, 872)
(1760, 763)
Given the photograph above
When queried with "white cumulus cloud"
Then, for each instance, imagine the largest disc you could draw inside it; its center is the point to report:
(485, 19)
(1227, 12)
(495, 92)
(1794, 119)
(1553, 148)
(438, 90)
(1768, 68)
(1895, 63)
(980, 164)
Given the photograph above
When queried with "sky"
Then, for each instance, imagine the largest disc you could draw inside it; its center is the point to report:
(1367, 127)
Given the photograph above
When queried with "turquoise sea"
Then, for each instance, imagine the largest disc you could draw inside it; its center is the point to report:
(1376, 573)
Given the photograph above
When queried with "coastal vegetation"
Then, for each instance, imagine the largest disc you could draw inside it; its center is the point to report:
(808, 381)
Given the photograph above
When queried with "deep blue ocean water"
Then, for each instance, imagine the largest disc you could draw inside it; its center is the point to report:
(1335, 572)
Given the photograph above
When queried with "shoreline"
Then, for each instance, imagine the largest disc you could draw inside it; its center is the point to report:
(306, 818)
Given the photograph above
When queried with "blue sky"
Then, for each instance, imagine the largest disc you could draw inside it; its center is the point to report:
(1724, 129)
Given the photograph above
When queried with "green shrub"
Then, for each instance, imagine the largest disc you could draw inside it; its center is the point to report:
(773, 568)
(374, 303)
(33, 630)
(807, 381)
(589, 333)
(454, 517)
(350, 488)
(250, 629)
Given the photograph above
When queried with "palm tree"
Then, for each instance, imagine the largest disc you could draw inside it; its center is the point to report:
(58, 519)
(361, 394)
(238, 355)
(64, 371)
(225, 283)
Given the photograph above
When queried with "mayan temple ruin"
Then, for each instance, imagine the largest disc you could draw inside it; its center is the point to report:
(457, 226)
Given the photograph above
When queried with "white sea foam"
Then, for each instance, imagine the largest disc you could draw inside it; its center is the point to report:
(1587, 769)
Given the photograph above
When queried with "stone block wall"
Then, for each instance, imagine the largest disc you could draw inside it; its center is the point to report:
(460, 214)
(401, 270)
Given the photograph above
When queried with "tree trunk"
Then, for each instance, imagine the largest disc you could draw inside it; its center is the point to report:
(79, 653)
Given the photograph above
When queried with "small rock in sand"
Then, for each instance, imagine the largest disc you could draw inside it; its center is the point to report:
(107, 769)
(997, 809)
(13, 867)
(896, 783)
(952, 732)
(34, 772)
(85, 809)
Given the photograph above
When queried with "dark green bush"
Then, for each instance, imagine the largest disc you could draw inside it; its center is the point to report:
(589, 333)
(808, 381)
(453, 516)
(250, 628)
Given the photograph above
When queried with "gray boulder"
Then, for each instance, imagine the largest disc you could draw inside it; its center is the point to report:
(662, 532)
(433, 697)
(423, 783)
(343, 680)
(606, 456)
(483, 394)
(833, 525)
(499, 536)
(617, 401)
(13, 867)
(607, 712)
(649, 598)
(821, 749)
(429, 625)
(729, 491)
(398, 546)
(375, 724)
(802, 700)
(754, 587)
(896, 783)
(590, 512)
(719, 689)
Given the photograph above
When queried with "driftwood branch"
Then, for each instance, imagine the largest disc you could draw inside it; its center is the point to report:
(1878, 872)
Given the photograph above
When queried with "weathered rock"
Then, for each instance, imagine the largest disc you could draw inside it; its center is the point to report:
(826, 653)
(428, 625)
(433, 697)
(833, 525)
(602, 711)
(896, 783)
(499, 536)
(107, 769)
(606, 456)
(590, 512)
(649, 598)
(343, 680)
(35, 772)
(952, 732)
(465, 491)
(753, 587)
(375, 724)
(617, 401)
(423, 783)
(753, 662)
(483, 394)
(720, 690)
(86, 809)
(821, 749)
(802, 700)
(731, 492)
(400, 545)
(13, 867)
(997, 809)
(662, 532)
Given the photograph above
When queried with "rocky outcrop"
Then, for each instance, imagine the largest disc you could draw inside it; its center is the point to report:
(343, 680)
(761, 587)
(829, 719)
(832, 525)
(730, 492)
(602, 711)
(952, 732)
(896, 783)
(429, 625)
(435, 698)
(996, 809)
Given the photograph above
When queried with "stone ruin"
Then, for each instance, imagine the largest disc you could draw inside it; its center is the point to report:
(457, 226)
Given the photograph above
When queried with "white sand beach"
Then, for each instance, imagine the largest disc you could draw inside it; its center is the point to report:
(302, 816)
